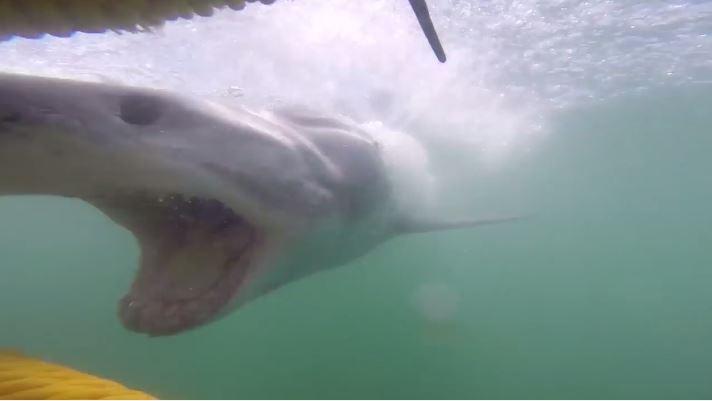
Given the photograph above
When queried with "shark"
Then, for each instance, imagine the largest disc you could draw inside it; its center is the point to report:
(226, 203)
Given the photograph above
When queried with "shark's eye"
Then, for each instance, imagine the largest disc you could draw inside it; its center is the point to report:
(141, 109)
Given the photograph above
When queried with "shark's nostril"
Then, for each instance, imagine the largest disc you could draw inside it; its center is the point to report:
(11, 117)
(141, 109)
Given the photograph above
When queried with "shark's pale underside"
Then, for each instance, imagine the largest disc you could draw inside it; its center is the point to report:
(226, 204)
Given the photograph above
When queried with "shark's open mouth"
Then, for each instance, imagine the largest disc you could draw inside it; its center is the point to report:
(195, 256)
(226, 204)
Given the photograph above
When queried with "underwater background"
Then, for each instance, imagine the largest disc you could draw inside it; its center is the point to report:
(595, 118)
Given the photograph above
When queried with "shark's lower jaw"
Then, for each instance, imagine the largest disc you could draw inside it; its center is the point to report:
(196, 256)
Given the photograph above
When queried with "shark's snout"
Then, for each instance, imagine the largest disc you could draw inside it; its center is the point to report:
(17, 112)
(136, 155)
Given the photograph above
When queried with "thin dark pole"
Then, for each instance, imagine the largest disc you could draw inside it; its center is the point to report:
(421, 11)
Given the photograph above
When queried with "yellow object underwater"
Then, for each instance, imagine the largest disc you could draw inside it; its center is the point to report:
(23, 378)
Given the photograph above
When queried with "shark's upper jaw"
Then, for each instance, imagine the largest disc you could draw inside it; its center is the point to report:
(216, 197)
(196, 256)
(108, 146)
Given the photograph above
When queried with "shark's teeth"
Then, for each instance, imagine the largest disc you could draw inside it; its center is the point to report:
(196, 259)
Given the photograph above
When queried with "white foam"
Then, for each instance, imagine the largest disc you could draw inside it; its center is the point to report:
(511, 63)
(408, 167)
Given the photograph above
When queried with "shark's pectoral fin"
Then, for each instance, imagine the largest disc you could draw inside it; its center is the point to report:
(415, 226)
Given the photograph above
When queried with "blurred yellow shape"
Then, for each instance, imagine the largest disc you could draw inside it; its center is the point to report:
(25, 378)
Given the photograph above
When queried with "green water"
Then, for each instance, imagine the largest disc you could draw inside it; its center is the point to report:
(605, 293)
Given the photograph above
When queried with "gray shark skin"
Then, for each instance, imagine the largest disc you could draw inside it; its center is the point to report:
(226, 204)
